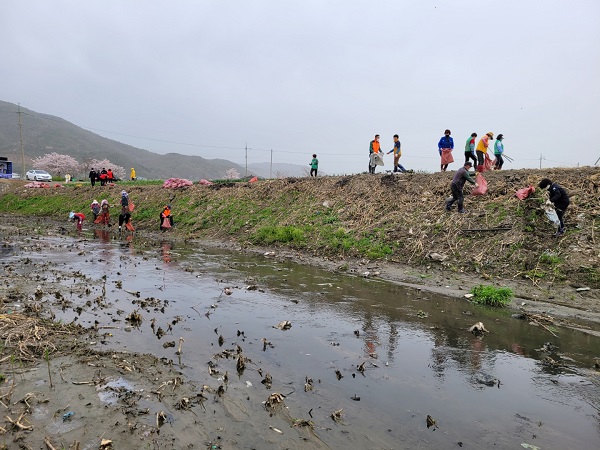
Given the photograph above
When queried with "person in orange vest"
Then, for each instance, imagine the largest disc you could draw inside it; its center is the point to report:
(482, 148)
(166, 219)
(374, 149)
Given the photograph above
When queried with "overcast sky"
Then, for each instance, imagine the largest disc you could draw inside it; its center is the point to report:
(302, 77)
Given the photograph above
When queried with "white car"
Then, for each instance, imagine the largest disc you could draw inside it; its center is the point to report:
(38, 175)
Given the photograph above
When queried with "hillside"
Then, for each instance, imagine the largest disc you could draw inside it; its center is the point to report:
(44, 133)
(399, 219)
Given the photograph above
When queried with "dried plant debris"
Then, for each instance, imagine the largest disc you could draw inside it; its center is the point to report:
(284, 325)
(161, 418)
(431, 422)
(241, 364)
(337, 415)
(338, 374)
(266, 344)
(106, 444)
(221, 340)
(31, 337)
(308, 384)
(478, 329)
(361, 368)
(275, 400)
(303, 423)
(183, 404)
(267, 380)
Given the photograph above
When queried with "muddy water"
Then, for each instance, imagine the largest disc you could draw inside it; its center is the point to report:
(419, 359)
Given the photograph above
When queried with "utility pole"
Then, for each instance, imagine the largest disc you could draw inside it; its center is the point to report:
(21, 139)
(271, 166)
(541, 160)
(246, 159)
(596, 163)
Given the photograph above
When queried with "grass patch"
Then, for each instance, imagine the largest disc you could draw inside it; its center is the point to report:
(550, 258)
(282, 235)
(491, 295)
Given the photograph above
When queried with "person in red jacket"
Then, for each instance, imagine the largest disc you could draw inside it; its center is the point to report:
(77, 217)
(110, 176)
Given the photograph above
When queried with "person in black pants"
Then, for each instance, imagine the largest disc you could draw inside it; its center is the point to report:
(470, 148)
(458, 184)
(92, 176)
(560, 199)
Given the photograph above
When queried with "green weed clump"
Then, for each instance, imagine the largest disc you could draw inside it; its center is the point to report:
(284, 235)
(491, 295)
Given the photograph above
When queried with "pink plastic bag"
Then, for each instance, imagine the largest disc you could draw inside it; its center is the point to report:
(447, 156)
(522, 194)
(482, 188)
(166, 223)
(131, 206)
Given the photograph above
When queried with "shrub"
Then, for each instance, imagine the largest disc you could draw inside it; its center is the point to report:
(491, 295)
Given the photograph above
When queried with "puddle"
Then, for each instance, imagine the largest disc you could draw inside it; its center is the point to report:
(110, 392)
(417, 355)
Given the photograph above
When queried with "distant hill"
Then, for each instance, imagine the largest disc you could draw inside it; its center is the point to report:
(43, 133)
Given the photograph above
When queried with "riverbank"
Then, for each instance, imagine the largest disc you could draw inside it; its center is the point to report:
(391, 224)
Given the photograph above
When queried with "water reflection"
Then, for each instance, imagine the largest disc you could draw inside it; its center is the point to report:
(419, 357)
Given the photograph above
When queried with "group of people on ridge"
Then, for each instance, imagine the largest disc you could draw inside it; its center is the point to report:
(106, 176)
(477, 153)
(375, 154)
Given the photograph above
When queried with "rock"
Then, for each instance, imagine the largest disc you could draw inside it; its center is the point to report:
(478, 329)
(439, 257)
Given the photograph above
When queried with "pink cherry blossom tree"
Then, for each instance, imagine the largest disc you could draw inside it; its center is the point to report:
(232, 174)
(56, 164)
(98, 164)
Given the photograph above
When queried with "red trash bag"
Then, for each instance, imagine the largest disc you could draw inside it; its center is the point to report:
(253, 179)
(131, 206)
(522, 194)
(447, 156)
(482, 188)
(129, 226)
(487, 163)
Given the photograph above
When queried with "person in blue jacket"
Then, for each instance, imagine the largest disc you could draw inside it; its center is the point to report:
(445, 146)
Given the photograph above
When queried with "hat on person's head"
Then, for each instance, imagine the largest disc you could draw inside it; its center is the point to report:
(124, 193)
(468, 163)
(500, 136)
(169, 206)
(490, 134)
(71, 215)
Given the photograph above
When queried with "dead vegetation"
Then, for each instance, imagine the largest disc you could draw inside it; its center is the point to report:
(28, 338)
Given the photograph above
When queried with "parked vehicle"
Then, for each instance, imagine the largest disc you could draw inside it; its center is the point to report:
(15, 176)
(38, 175)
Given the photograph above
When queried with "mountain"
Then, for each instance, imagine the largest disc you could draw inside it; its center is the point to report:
(43, 133)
